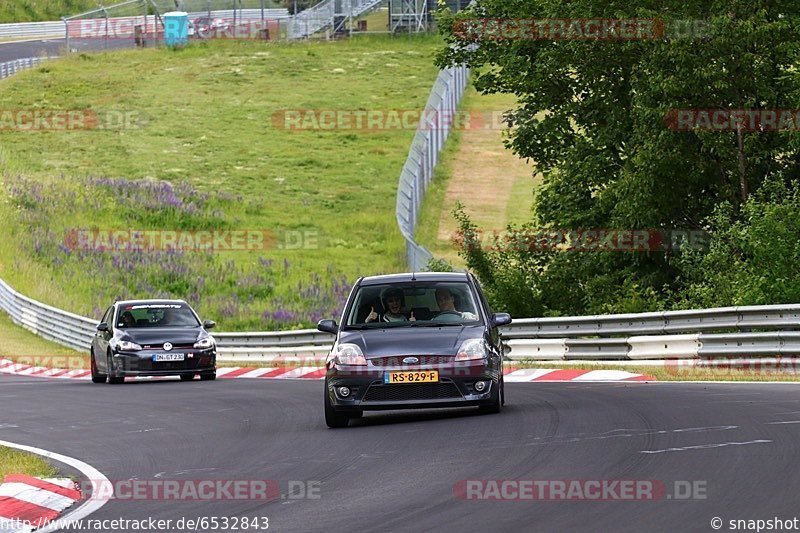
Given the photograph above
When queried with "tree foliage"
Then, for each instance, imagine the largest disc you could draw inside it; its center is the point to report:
(594, 116)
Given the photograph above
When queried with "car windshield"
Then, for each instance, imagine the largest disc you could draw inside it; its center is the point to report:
(412, 305)
(155, 316)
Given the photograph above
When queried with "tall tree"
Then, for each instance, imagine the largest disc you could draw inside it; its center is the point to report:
(600, 119)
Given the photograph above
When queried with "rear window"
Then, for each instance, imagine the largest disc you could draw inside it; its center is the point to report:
(413, 304)
(156, 316)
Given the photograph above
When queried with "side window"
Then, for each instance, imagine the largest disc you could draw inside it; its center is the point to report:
(107, 317)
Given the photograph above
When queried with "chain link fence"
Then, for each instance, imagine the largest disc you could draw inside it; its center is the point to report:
(429, 140)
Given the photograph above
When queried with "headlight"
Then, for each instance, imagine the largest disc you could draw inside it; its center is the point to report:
(472, 349)
(128, 346)
(205, 343)
(348, 354)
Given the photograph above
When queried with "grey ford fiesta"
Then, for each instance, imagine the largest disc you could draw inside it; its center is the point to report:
(414, 341)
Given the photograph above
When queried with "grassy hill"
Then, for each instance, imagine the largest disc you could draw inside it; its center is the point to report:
(203, 152)
(35, 10)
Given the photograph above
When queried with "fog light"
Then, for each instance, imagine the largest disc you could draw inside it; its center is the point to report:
(344, 392)
(480, 386)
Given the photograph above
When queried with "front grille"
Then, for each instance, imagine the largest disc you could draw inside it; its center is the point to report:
(415, 391)
(175, 347)
(397, 360)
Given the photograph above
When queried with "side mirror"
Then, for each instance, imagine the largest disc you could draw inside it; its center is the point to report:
(102, 326)
(208, 324)
(328, 326)
(501, 319)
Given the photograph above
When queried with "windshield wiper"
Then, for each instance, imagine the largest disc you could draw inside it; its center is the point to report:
(435, 324)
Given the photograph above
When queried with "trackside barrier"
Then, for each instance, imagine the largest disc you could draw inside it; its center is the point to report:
(741, 318)
(31, 29)
(541, 349)
(523, 337)
(423, 156)
(664, 347)
(12, 67)
(596, 349)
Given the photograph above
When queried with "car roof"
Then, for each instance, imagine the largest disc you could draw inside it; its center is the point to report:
(147, 302)
(414, 276)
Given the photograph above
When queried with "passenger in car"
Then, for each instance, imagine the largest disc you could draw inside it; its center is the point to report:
(126, 320)
(446, 302)
(393, 302)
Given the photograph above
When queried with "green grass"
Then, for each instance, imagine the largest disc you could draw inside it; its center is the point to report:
(206, 126)
(517, 207)
(19, 342)
(16, 462)
(36, 10)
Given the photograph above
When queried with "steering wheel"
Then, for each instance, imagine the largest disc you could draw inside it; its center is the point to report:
(451, 316)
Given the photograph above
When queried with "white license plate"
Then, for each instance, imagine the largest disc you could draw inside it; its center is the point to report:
(162, 357)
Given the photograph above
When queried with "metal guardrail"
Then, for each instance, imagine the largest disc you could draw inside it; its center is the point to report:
(524, 337)
(740, 318)
(432, 132)
(12, 67)
(31, 29)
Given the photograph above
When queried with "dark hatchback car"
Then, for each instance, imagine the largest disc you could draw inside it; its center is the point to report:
(152, 338)
(414, 341)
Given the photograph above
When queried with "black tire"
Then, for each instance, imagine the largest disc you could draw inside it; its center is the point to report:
(497, 401)
(211, 376)
(97, 377)
(113, 380)
(333, 418)
(187, 377)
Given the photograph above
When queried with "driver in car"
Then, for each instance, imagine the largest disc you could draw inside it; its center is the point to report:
(393, 302)
(446, 302)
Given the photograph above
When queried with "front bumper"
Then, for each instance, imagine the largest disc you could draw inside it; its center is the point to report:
(130, 364)
(369, 392)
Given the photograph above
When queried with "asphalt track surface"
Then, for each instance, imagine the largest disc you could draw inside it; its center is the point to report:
(10, 51)
(398, 470)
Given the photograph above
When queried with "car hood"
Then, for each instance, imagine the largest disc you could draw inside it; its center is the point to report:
(177, 336)
(411, 340)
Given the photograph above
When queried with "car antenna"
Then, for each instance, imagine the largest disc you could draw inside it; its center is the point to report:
(413, 276)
